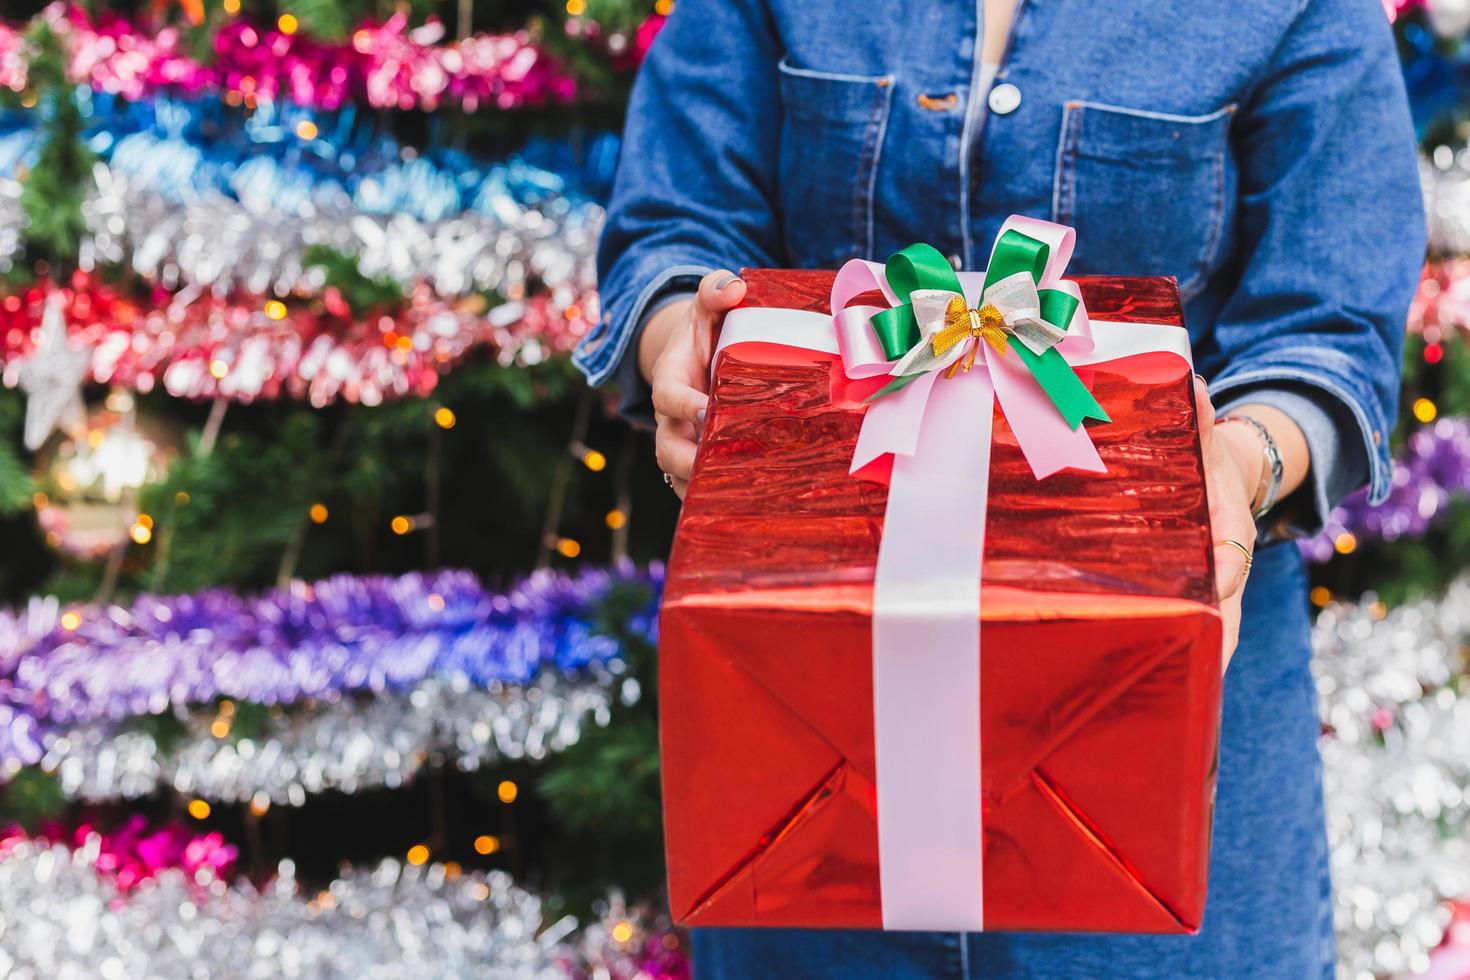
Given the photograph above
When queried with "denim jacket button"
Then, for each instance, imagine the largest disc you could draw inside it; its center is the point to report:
(1004, 99)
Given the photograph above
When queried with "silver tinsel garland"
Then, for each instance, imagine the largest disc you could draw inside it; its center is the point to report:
(218, 242)
(348, 745)
(62, 920)
(1397, 768)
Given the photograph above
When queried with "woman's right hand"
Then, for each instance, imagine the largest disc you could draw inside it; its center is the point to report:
(674, 356)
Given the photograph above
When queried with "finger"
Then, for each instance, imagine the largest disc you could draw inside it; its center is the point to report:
(681, 487)
(677, 400)
(674, 452)
(1231, 570)
(719, 291)
(1203, 407)
(1230, 638)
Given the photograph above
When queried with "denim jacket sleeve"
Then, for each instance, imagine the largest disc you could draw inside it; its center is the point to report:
(696, 179)
(1330, 225)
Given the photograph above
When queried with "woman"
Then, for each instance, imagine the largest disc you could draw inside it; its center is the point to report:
(1260, 152)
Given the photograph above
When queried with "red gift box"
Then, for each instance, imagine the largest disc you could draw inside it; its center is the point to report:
(1099, 678)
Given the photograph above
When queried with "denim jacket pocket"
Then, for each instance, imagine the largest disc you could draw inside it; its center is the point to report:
(1145, 189)
(832, 128)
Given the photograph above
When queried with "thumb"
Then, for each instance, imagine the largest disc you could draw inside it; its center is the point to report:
(719, 292)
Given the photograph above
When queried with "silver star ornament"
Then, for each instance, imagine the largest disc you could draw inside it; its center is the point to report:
(52, 380)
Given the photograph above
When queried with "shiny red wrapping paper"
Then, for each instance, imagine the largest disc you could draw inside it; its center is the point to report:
(1100, 652)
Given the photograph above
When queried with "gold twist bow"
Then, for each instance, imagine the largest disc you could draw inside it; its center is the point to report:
(962, 323)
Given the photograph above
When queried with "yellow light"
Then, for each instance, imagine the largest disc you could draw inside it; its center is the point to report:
(418, 854)
(95, 437)
(145, 520)
(1425, 410)
(219, 728)
(39, 500)
(275, 309)
(436, 602)
(232, 7)
(287, 24)
(401, 524)
(617, 520)
(568, 548)
(70, 621)
(227, 708)
(444, 418)
(594, 461)
(198, 809)
(622, 932)
(576, 7)
(218, 368)
(487, 844)
(1321, 595)
(318, 513)
(1377, 609)
(306, 129)
(141, 534)
(181, 498)
(507, 791)
(259, 804)
(1345, 543)
(452, 870)
(481, 891)
(404, 343)
(663, 7)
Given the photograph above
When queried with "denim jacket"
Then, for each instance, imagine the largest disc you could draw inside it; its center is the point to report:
(1259, 151)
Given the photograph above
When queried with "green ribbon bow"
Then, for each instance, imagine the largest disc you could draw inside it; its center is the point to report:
(920, 266)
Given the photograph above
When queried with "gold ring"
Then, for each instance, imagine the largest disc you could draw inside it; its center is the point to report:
(1249, 558)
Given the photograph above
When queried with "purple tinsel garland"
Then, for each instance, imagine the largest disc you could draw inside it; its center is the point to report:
(340, 636)
(1433, 471)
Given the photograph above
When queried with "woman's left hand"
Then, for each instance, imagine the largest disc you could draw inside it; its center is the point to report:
(1233, 464)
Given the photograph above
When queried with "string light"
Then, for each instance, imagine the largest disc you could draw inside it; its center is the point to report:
(227, 708)
(622, 932)
(576, 7)
(218, 369)
(181, 498)
(507, 791)
(198, 809)
(141, 533)
(617, 520)
(435, 601)
(568, 548)
(1345, 543)
(1321, 595)
(71, 621)
(418, 854)
(1433, 353)
(444, 418)
(663, 7)
(594, 461)
(260, 803)
(39, 500)
(401, 524)
(232, 7)
(487, 844)
(1425, 410)
(219, 728)
(287, 23)
(275, 309)
(306, 129)
(318, 513)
